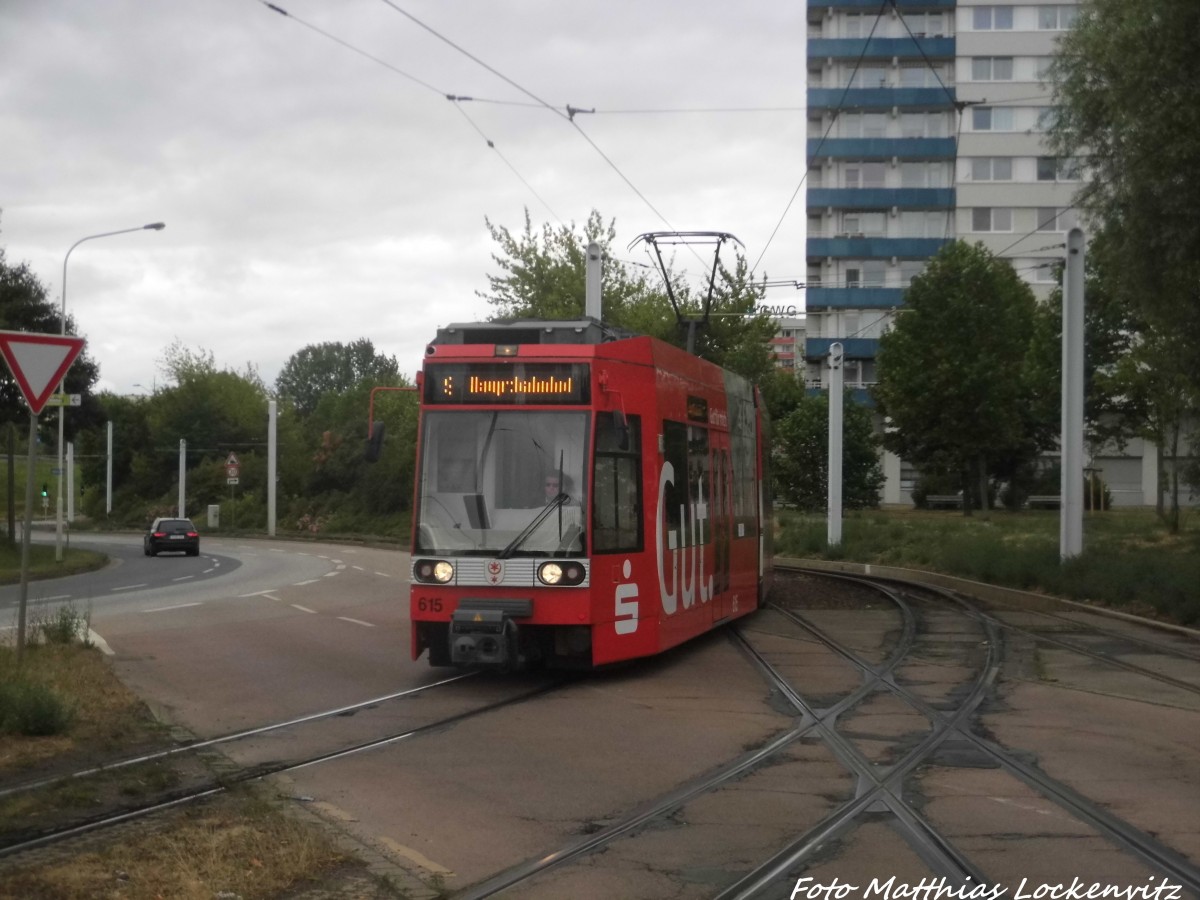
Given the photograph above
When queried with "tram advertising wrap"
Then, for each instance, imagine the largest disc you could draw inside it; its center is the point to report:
(582, 497)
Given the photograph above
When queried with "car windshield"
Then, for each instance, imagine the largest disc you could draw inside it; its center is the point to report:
(488, 477)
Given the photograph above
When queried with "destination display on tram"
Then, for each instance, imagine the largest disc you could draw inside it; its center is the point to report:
(449, 384)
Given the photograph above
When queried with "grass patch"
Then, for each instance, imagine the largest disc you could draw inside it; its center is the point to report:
(1129, 560)
(237, 845)
(42, 563)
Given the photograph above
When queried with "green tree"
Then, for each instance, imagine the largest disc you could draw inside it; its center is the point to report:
(955, 375)
(26, 306)
(543, 275)
(319, 369)
(1124, 88)
(800, 455)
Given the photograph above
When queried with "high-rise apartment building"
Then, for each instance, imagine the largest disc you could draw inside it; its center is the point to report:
(926, 121)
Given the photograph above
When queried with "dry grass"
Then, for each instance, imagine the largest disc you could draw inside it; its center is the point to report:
(236, 844)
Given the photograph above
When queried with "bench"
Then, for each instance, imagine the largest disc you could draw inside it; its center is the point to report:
(943, 501)
(1044, 501)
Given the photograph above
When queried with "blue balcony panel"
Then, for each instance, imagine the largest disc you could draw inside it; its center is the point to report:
(874, 247)
(853, 348)
(881, 198)
(818, 298)
(881, 48)
(880, 98)
(902, 5)
(881, 148)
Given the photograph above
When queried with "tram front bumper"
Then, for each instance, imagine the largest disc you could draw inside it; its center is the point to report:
(485, 634)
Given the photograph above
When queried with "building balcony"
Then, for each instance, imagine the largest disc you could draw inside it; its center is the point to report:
(880, 98)
(817, 349)
(881, 198)
(881, 148)
(819, 298)
(873, 5)
(924, 48)
(874, 247)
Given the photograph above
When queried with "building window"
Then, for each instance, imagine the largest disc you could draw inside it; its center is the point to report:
(1057, 168)
(991, 118)
(869, 77)
(992, 18)
(991, 168)
(864, 175)
(919, 125)
(865, 125)
(1057, 18)
(923, 223)
(992, 68)
(1047, 272)
(991, 218)
(1049, 218)
(910, 269)
(866, 223)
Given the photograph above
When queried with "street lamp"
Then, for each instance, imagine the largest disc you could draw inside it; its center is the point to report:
(62, 410)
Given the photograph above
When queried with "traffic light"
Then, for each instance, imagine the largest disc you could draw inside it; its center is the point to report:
(45, 489)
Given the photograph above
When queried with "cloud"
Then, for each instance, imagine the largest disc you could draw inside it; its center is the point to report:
(311, 194)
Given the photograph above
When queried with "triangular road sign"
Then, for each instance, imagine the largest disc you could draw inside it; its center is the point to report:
(38, 362)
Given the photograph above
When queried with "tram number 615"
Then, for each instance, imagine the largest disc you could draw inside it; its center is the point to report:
(429, 604)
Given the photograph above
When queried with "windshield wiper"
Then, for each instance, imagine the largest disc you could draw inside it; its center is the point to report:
(529, 529)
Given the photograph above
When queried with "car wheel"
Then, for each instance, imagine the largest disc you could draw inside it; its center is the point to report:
(150, 551)
(195, 552)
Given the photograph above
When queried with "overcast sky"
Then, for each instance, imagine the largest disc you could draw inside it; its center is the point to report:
(314, 194)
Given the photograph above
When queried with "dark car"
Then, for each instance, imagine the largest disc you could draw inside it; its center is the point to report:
(172, 534)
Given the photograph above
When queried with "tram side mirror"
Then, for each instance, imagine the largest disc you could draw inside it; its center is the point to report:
(374, 443)
(621, 426)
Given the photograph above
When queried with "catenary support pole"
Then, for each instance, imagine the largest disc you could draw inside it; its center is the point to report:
(836, 403)
(1071, 489)
(182, 477)
(272, 452)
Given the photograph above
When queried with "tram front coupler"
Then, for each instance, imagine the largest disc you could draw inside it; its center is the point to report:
(487, 635)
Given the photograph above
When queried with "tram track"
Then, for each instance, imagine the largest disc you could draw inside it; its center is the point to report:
(13, 845)
(879, 789)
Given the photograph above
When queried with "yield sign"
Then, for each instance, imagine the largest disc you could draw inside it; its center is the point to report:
(38, 362)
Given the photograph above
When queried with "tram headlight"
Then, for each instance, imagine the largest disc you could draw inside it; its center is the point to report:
(568, 573)
(433, 571)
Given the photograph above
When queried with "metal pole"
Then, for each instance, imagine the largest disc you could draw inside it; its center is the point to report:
(62, 410)
(1071, 485)
(836, 403)
(70, 481)
(182, 476)
(30, 466)
(108, 473)
(272, 463)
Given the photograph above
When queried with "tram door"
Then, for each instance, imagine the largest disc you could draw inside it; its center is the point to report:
(722, 523)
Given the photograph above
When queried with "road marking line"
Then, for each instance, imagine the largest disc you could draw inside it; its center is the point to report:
(383, 574)
(266, 593)
(303, 583)
(206, 571)
(356, 621)
(177, 606)
(329, 574)
(127, 587)
(52, 599)
(271, 596)
(360, 568)
(304, 609)
(416, 856)
(183, 577)
(99, 642)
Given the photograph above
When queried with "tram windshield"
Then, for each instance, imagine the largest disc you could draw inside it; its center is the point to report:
(507, 482)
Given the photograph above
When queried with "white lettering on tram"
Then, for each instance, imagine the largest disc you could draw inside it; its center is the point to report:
(688, 572)
(627, 605)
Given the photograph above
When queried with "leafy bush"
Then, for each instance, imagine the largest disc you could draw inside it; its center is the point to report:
(66, 625)
(32, 709)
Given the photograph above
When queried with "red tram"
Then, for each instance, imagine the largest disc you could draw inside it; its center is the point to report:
(582, 496)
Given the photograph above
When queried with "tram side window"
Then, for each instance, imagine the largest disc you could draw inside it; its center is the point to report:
(617, 499)
(686, 498)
